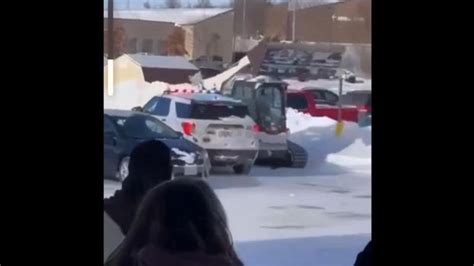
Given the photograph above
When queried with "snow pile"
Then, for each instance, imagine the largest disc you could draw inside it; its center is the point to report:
(133, 93)
(182, 87)
(318, 136)
(357, 149)
(297, 121)
(357, 157)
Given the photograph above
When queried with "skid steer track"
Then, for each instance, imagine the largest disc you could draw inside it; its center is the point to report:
(297, 155)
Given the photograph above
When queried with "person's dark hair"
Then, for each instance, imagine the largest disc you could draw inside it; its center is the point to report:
(150, 165)
(181, 215)
(364, 258)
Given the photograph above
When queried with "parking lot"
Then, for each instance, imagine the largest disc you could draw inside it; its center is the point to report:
(321, 213)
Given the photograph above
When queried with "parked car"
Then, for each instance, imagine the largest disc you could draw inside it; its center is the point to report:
(123, 130)
(304, 101)
(327, 73)
(219, 124)
(323, 96)
(362, 99)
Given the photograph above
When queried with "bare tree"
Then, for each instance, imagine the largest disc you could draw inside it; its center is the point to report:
(173, 3)
(147, 5)
(119, 41)
(175, 43)
(203, 4)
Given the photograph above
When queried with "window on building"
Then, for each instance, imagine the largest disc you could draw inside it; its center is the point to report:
(160, 47)
(132, 45)
(147, 46)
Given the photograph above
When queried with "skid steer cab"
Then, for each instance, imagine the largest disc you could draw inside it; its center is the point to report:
(265, 98)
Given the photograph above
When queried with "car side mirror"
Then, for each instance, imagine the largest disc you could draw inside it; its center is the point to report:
(137, 109)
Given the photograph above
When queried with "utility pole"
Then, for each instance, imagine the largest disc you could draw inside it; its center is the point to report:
(294, 20)
(244, 17)
(110, 52)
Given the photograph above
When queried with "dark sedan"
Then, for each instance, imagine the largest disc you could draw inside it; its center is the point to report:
(123, 130)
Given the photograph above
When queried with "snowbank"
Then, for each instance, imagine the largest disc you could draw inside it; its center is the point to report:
(133, 93)
(357, 149)
(297, 121)
(317, 136)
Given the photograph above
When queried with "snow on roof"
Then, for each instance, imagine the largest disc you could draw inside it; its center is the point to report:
(203, 97)
(303, 4)
(211, 97)
(157, 61)
(180, 16)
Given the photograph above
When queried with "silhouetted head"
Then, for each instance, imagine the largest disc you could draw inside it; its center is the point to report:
(150, 165)
(181, 215)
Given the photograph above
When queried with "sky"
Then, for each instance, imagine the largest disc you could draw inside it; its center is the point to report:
(138, 4)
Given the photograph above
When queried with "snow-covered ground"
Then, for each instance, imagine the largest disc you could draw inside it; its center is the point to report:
(320, 215)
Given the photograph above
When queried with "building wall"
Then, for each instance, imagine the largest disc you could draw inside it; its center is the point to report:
(171, 76)
(313, 24)
(348, 22)
(213, 36)
(189, 40)
(254, 19)
(275, 22)
(338, 23)
(359, 28)
(143, 33)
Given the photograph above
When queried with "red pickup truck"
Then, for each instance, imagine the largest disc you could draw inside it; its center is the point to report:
(305, 102)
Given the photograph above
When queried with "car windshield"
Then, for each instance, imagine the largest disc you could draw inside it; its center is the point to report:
(144, 127)
(269, 103)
